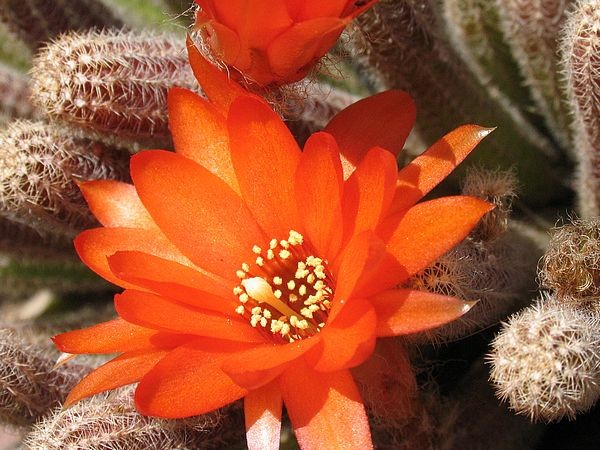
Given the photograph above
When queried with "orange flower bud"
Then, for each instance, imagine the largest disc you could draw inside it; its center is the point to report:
(274, 42)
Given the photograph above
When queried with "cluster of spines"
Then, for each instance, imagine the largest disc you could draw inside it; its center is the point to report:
(38, 21)
(110, 422)
(29, 384)
(39, 167)
(546, 360)
(111, 83)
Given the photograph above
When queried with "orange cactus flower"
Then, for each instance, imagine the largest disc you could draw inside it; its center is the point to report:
(274, 42)
(255, 270)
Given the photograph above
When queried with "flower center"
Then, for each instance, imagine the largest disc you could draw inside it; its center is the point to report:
(286, 291)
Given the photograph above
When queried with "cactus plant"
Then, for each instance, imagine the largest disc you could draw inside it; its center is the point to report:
(111, 83)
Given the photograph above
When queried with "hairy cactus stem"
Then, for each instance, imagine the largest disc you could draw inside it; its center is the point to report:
(14, 96)
(112, 83)
(580, 44)
(39, 165)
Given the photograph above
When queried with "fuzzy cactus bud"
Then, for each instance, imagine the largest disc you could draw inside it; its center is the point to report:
(112, 83)
(110, 421)
(580, 44)
(546, 361)
(39, 165)
(571, 265)
(29, 386)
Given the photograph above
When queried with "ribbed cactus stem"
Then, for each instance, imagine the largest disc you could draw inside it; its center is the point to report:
(39, 165)
(580, 45)
(113, 83)
(110, 421)
(404, 45)
(546, 361)
(473, 28)
(14, 96)
(531, 28)
(571, 265)
(29, 386)
(38, 21)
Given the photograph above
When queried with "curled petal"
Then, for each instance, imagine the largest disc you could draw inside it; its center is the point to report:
(404, 311)
(187, 284)
(326, 411)
(96, 245)
(430, 168)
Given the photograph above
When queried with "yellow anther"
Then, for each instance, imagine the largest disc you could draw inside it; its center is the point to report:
(256, 310)
(293, 298)
(237, 290)
(245, 267)
(277, 281)
(240, 310)
(302, 290)
(291, 284)
(284, 254)
(260, 261)
(263, 322)
(270, 254)
(244, 298)
(310, 279)
(256, 249)
(284, 243)
(240, 274)
(267, 313)
(285, 329)
(273, 244)
(277, 293)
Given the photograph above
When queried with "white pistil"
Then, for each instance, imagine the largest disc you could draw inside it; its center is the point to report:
(261, 291)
